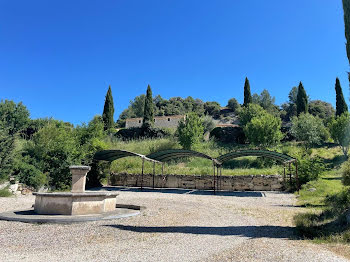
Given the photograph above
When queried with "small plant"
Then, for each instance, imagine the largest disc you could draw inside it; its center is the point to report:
(190, 131)
(5, 192)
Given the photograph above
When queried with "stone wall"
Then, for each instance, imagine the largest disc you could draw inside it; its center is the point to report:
(203, 182)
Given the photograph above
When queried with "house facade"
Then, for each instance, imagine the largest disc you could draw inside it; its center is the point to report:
(159, 121)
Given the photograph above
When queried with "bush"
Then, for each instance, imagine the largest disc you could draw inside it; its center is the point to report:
(5, 192)
(141, 132)
(228, 134)
(264, 130)
(309, 129)
(309, 168)
(249, 112)
(190, 131)
(346, 174)
(31, 176)
(340, 131)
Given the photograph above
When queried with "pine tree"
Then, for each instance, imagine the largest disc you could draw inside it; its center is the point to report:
(108, 110)
(341, 105)
(148, 115)
(247, 94)
(302, 103)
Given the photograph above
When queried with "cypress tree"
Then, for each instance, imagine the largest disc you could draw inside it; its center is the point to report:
(108, 110)
(302, 103)
(341, 106)
(247, 94)
(346, 7)
(148, 115)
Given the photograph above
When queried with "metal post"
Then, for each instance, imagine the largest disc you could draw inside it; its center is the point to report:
(220, 177)
(214, 178)
(296, 175)
(143, 165)
(154, 172)
(290, 175)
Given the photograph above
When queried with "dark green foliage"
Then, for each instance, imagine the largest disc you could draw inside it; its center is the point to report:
(346, 174)
(321, 109)
(346, 7)
(13, 119)
(212, 109)
(190, 131)
(341, 106)
(233, 105)
(30, 175)
(228, 134)
(249, 112)
(140, 133)
(108, 110)
(340, 131)
(247, 93)
(289, 109)
(302, 100)
(148, 113)
(266, 101)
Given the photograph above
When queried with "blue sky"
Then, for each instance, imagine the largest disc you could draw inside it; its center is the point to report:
(58, 57)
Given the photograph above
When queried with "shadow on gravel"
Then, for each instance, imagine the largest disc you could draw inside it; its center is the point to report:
(183, 191)
(244, 231)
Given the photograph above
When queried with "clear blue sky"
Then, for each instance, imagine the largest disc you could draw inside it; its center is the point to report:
(59, 57)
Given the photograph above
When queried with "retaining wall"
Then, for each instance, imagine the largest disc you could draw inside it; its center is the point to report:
(203, 182)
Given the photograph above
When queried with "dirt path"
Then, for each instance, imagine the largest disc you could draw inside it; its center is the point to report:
(189, 226)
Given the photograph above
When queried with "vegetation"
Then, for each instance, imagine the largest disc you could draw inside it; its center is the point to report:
(148, 115)
(302, 100)
(190, 131)
(247, 93)
(340, 131)
(233, 105)
(341, 106)
(108, 110)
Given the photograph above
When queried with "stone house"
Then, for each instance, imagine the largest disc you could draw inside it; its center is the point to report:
(159, 121)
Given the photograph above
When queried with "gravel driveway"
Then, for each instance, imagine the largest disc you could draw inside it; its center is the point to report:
(175, 226)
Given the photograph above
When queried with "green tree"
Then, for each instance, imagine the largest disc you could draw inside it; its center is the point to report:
(249, 112)
(190, 131)
(208, 124)
(341, 106)
(346, 7)
(264, 130)
(247, 93)
(148, 116)
(302, 101)
(108, 110)
(309, 129)
(233, 105)
(340, 131)
(212, 109)
(321, 109)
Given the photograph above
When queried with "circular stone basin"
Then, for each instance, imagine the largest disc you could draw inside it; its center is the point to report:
(68, 203)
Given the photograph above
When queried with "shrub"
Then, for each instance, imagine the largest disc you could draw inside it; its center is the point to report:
(208, 124)
(309, 129)
(5, 192)
(190, 131)
(31, 176)
(264, 130)
(346, 174)
(233, 105)
(141, 132)
(309, 168)
(249, 112)
(340, 131)
(228, 134)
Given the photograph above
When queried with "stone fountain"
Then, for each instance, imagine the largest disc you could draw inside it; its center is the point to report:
(76, 202)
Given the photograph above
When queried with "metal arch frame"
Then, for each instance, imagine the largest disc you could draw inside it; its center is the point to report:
(166, 155)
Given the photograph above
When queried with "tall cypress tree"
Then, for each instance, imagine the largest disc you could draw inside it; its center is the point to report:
(346, 7)
(148, 115)
(302, 103)
(108, 110)
(247, 94)
(341, 105)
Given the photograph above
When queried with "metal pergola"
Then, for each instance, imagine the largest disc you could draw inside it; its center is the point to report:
(161, 157)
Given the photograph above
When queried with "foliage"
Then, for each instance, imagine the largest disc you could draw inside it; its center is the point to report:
(141, 133)
(208, 124)
(108, 110)
(309, 168)
(30, 175)
(5, 192)
(228, 135)
(266, 101)
(264, 130)
(341, 106)
(249, 112)
(190, 131)
(321, 109)
(247, 93)
(233, 105)
(212, 108)
(346, 174)
(346, 7)
(289, 109)
(340, 131)
(309, 129)
(302, 100)
(148, 115)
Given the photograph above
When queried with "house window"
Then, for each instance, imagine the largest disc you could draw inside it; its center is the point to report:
(168, 119)
(139, 121)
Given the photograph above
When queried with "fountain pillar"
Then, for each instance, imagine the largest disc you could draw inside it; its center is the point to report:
(79, 178)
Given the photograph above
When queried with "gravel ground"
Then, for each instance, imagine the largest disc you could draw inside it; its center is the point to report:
(173, 227)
